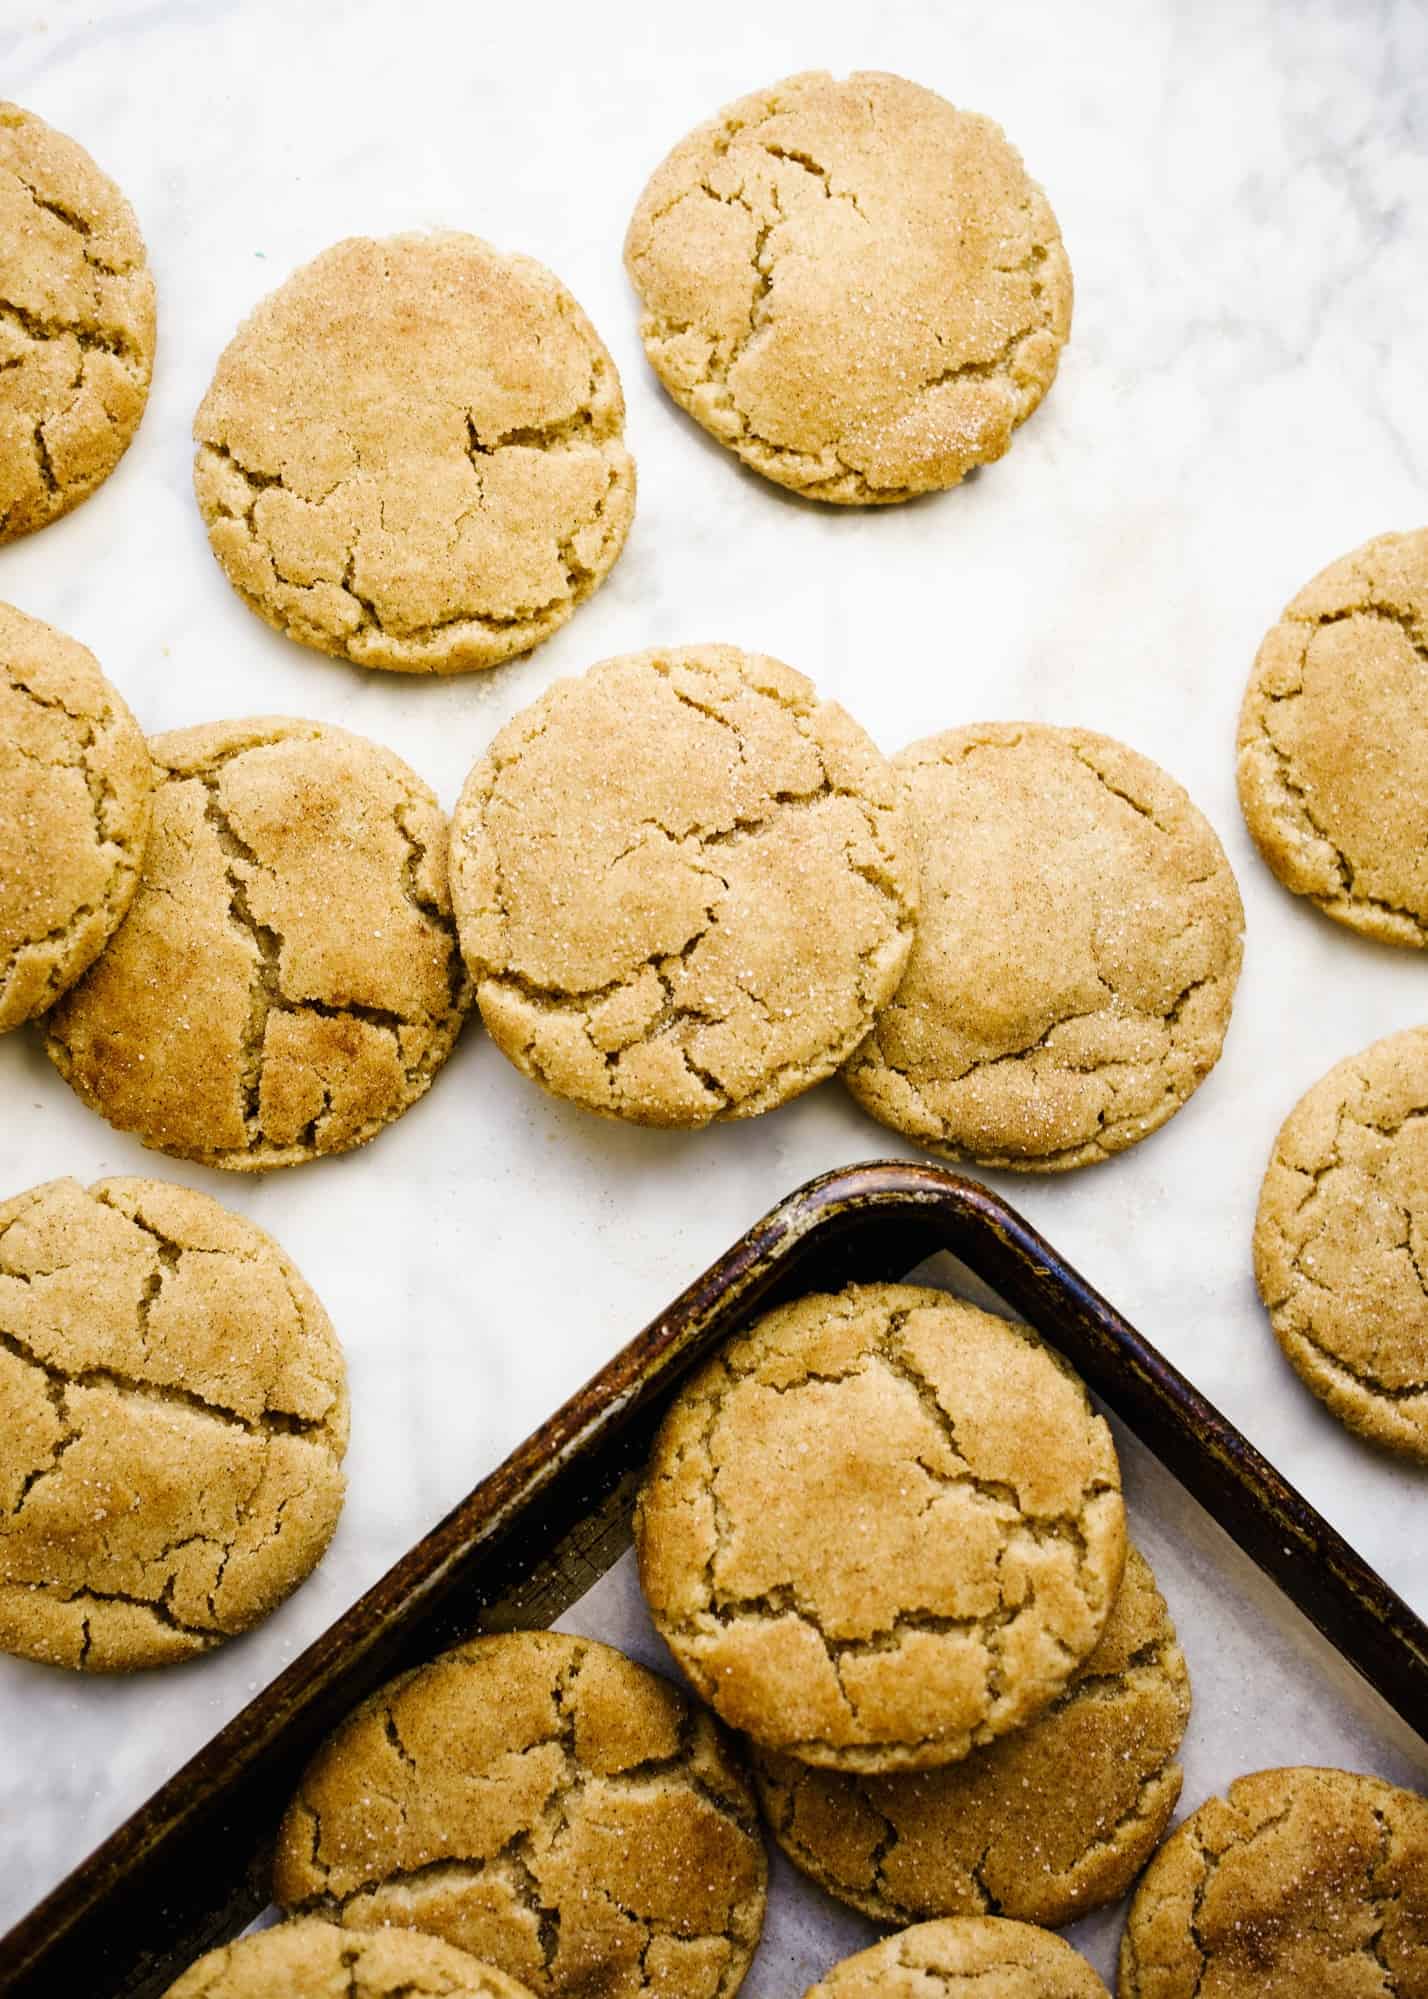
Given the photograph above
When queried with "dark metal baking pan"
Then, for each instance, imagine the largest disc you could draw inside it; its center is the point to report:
(190, 1868)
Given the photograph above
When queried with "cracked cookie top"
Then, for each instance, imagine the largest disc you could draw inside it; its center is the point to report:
(1043, 1826)
(1076, 955)
(973, 1957)
(684, 885)
(288, 979)
(1297, 1881)
(1341, 1240)
(74, 813)
(310, 1959)
(1333, 741)
(412, 455)
(880, 1529)
(76, 324)
(852, 285)
(546, 1804)
(173, 1417)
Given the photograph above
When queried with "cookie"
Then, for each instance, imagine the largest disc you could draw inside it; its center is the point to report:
(546, 1804)
(879, 1529)
(412, 455)
(1333, 745)
(1076, 956)
(976, 1957)
(1296, 1882)
(173, 1418)
(1044, 1825)
(1341, 1241)
(74, 813)
(684, 885)
(288, 980)
(76, 324)
(310, 1959)
(851, 284)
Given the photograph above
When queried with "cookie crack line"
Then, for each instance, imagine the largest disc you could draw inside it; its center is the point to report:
(90, 336)
(72, 220)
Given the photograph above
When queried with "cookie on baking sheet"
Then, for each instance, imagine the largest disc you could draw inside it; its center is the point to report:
(879, 1529)
(74, 813)
(1341, 1240)
(173, 1418)
(684, 885)
(412, 455)
(312, 1959)
(1076, 955)
(970, 1957)
(1044, 1825)
(1333, 741)
(1296, 1882)
(288, 980)
(851, 284)
(77, 334)
(546, 1804)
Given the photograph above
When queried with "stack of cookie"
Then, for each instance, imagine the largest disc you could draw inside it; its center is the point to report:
(959, 1714)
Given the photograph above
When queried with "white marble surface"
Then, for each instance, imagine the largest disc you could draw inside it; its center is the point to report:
(1244, 195)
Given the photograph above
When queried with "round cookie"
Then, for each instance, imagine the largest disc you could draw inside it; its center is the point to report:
(1043, 1826)
(1297, 1881)
(288, 980)
(76, 324)
(74, 813)
(412, 455)
(311, 1959)
(1076, 957)
(1341, 1241)
(851, 284)
(880, 1529)
(1333, 744)
(974, 1957)
(684, 885)
(173, 1418)
(546, 1804)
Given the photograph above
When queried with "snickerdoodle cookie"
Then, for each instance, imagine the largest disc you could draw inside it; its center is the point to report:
(173, 1417)
(288, 979)
(1076, 956)
(412, 455)
(879, 1529)
(1333, 740)
(853, 285)
(1044, 1825)
(972, 1957)
(684, 885)
(76, 324)
(1341, 1240)
(74, 813)
(546, 1804)
(310, 1959)
(1296, 1882)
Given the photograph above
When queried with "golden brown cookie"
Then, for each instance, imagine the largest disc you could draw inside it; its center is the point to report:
(288, 980)
(76, 324)
(546, 1804)
(74, 813)
(973, 1957)
(684, 885)
(1297, 1883)
(1341, 1241)
(1044, 1825)
(1076, 955)
(310, 1959)
(1333, 741)
(879, 1529)
(851, 284)
(173, 1417)
(412, 455)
